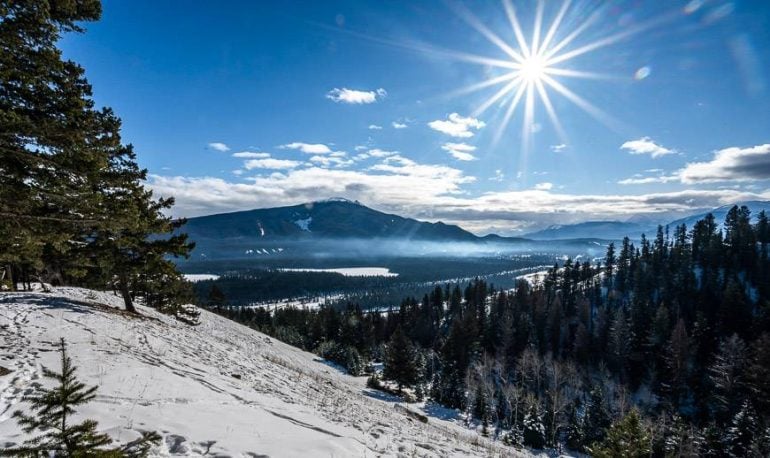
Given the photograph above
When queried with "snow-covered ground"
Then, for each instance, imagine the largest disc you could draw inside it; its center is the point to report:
(216, 389)
(351, 271)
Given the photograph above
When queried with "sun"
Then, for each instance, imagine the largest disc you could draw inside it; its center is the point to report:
(534, 68)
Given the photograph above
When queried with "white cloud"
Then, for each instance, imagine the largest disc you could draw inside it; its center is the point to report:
(545, 186)
(730, 164)
(376, 152)
(328, 161)
(645, 145)
(457, 126)
(460, 151)
(374, 127)
(432, 192)
(560, 148)
(271, 163)
(308, 148)
(251, 155)
(499, 176)
(219, 146)
(649, 180)
(399, 125)
(352, 96)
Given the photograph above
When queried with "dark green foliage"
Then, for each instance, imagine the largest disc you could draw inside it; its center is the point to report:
(400, 361)
(627, 438)
(73, 208)
(52, 410)
(534, 428)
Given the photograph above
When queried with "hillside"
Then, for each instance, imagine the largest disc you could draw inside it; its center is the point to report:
(219, 388)
(329, 219)
(607, 230)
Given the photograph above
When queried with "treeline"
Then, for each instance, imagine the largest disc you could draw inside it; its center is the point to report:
(73, 209)
(661, 350)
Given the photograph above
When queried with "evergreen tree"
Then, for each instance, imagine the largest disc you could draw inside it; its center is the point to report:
(534, 428)
(72, 201)
(628, 438)
(742, 431)
(400, 361)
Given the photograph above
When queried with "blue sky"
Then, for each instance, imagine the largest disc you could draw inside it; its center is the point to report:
(258, 104)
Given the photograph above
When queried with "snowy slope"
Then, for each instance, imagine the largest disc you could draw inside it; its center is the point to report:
(216, 389)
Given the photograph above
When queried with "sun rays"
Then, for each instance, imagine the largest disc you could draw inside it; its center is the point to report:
(534, 69)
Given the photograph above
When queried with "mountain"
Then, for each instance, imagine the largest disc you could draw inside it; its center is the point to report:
(217, 389)
(328, 219)
(634, 228)
(720, 213)
(606, 230)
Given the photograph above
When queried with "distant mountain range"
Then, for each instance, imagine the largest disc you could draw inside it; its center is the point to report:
(608, 230)
(615, 230)
(335, 226)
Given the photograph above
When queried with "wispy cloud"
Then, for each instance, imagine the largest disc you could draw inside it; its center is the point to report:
(499, 176)
(545, 186)
(251, 155)
(352, 96)
(460, 151)
(560, 148)
(308, 148)
(219, 146)
(730, 164)
(399, 125)
(331, 160)
(271, 163)
(457, 126)
(646, 145)
(376, 152)
(374, 127)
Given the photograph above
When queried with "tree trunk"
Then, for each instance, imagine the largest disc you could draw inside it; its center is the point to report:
(126, 293)
(9, 270)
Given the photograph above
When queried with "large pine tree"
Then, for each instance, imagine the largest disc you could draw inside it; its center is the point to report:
(73, 207)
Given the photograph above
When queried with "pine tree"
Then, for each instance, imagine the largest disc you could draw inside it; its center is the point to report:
(400, 361)
(727, 375)
(52, 412)
(597, 417)
(72, 199)
(628, 439)
(534, 428)
(216, 296)
(742, 431)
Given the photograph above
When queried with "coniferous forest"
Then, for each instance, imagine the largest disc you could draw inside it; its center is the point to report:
(660, 350)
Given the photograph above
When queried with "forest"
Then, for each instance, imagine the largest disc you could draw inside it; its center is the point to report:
(662, 349)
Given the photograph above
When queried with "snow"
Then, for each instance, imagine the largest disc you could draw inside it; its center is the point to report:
(352, 271)
(304, 224)
(200, 277)
(311, 302)
(219, 385)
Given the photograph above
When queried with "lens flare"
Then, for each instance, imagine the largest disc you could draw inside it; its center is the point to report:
(534, 66)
